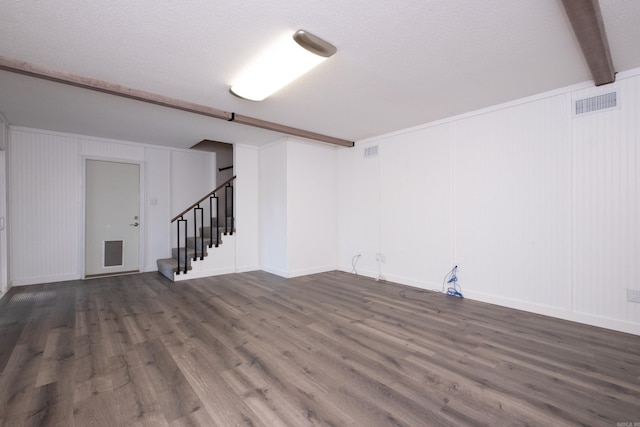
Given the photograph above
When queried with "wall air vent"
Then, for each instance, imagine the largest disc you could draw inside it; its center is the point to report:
(606, 101)
(371, 152)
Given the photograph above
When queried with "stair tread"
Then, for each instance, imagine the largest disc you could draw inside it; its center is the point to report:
(199, 244)
(172, 263)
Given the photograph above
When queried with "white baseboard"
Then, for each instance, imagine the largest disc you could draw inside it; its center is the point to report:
(308, 271)
(297, 273)
(247, 268)
(587, 319)
(276, 271)
(44, 279)
(200, 274)
(361, 271)
(150, 268)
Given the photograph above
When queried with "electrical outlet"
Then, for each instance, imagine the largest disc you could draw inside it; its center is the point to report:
(633, 295)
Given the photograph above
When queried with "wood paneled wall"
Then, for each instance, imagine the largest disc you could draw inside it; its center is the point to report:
(539, 208)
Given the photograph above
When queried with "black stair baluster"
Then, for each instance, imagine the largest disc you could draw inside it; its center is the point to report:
(210, 222)
(182, 220)
(227, 200)
(229, 189)
(195, 233)
(225, 208)
(178, 228)
(229, 226)
(201, 232)
(217, 220)
(233, 216)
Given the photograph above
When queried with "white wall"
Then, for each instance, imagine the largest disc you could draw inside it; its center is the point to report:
(539, 209)
(273, 208)
(606, 208)
(44, 206)
(513, 202)
(359, 203)
(45, 199)
(247, 207)
(193, 174)
(417, 206)
(398, 204)
(224, 158)
(298, 207)
(311, 207)
(157, 206)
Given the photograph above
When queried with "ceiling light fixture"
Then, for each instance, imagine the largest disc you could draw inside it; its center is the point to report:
(287, 61)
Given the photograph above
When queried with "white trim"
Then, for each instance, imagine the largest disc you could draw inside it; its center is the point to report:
(45, 279)
(482, 111)
(556, 312)
(543, 95)
(371, 274)
(4, 133)
(4, 208)
(249, 147)
(247, 268)
(150, 268)
(282, 140)
(627, 73)
(308, 271)
(204, 273)
(97, 139)
(276, 271)
(394, 279)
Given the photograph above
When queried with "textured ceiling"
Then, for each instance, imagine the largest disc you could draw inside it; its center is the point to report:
(398, 63)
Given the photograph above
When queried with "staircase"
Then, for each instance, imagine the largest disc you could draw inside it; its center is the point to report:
(203, 254)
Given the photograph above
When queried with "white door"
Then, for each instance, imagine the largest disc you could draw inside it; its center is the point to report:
(112, 218)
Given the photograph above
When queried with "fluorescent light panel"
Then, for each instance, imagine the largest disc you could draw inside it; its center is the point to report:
(287, 61)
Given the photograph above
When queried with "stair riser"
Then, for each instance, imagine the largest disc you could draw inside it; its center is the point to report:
(185, 258)
(168, 267)
(204, 231)
(196, 243)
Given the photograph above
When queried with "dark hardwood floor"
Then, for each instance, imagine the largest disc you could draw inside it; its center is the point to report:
(330, 349)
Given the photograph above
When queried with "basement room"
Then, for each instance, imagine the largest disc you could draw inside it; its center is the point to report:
(364, 213)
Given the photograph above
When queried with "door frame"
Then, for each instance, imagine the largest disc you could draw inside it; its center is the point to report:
(83, 209)
(4, 254)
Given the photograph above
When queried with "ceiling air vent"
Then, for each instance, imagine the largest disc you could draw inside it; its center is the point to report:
(605, 101)
(371, 152)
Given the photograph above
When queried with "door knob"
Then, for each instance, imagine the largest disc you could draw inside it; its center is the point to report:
(135, 224)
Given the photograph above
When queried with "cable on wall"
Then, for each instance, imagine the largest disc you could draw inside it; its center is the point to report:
(354, 261)
(380, 259)
(451, 279)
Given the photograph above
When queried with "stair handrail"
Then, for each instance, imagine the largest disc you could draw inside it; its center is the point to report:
(195, 208)
(218, 188)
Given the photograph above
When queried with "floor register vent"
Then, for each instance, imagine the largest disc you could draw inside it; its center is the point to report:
(605, 101)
